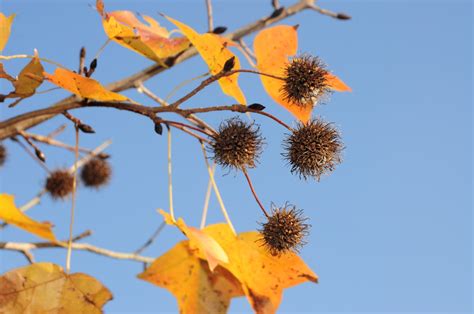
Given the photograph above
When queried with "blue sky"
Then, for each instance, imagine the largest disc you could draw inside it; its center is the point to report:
(391, 227)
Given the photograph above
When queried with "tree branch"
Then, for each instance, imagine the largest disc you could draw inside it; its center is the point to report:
(12, 126)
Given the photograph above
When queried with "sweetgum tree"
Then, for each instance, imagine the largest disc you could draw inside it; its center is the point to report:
(215, 263)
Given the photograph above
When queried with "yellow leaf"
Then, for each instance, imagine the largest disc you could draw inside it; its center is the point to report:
(45, 288)
(209, 248)
(5, 28)
(273, 46)
(29, 79)
(188, 278)
(151, 41)
(215, 54)
(262, 275)
(82, 86)
(12, 215)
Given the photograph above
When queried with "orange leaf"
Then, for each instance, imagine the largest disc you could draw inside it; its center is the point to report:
(215, 54)
(210, 249)
(262, 275)
(5, 28)
(45, 288)
(12, 215)
(151, 41)
(29, 79)
(336, 83)
(273, 46)
(82, 86)
(188, 278)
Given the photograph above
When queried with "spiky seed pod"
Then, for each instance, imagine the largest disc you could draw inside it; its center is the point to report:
(96, 172)
(60, 183)
(285, 230)
(3, 154)
(305, 81)
(313, 149)
(237, 144)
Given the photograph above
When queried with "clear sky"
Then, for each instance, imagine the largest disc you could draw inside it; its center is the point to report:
(392, 226)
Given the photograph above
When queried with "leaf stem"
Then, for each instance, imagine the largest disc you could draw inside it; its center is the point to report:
(73, 206)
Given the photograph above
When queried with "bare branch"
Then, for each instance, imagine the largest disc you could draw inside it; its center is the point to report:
(210, 24)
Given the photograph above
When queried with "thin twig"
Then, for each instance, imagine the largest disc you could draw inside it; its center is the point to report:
(214, 78)
(58, 131)
(170, 177)
(184, 83)
(22, 247)
(32, 57)
(339, 16)
(206, 200)
(73, 205)
(82, 60)
(254, 193)
(216, 190)
(151, 239)
(50, 141)
(210, 24)
(31, 154)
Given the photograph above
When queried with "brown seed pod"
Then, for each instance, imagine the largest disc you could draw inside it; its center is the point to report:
(237, 144)
(96, 172)
(313, 149)
(3, 154)
(305, 81)
(59, 184)
(285, 230)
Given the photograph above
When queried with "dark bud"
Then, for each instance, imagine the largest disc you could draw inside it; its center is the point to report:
(229, 64)
(285, 230)
(256, 106)
(158, 128)
(85, 128)
(313, 149)
(276, 13)
(3, 154)
(219, 30)
(237, 144)
(305, 81)
(103, 156)
(343, 16)
(59, 184)
(169, 62)
(40, 155)
(82, 53)
(96, 173)
(93, 65)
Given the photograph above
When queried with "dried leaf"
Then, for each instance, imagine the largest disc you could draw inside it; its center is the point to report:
(209, 248)
(262, 275)
(29, 79)
(12, 215)
(5, 28)
(152, 41)
(188, 278)
(82, 86)
(215, 54)
(273, 46)
(5, 75)
(45, 288)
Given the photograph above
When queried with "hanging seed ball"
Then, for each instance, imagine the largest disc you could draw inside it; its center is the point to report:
(96, 172)
(284, 230)
(305, 81)
(3, 154)
(313, 149)
(60, 183)
(237, 144)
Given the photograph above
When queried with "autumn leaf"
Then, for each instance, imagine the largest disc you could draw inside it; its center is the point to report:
(273, 47)
(45, 288)
(212, 49)
(12, 215)
(5, 75)
(262, 275)
(209, 247)
(188, 278)
(5, 28)
(152, 41)
(82, 86)
(29, 79)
